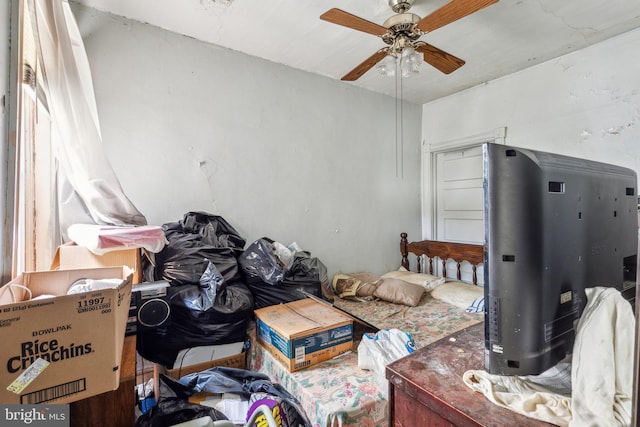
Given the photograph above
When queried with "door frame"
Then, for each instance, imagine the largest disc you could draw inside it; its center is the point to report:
(428, 171)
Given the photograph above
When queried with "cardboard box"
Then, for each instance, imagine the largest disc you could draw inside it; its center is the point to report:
(206, 353)
(197, 359)
(236, 361)
(302, 333)
(70, 256)
(79, 337)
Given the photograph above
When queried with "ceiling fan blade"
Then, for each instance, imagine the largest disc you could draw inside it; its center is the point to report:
(440, 59)
(365, 66)
(340, 17)
(450, 12)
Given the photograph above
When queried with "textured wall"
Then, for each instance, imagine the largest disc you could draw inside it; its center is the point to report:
(277, 152)
(584, 104)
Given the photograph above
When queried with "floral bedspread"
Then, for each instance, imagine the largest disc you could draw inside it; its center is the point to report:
(427, 322)
(336, 393)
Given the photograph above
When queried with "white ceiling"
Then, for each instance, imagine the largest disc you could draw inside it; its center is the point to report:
(501, 39)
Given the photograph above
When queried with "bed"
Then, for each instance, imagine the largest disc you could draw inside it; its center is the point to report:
(336, 392)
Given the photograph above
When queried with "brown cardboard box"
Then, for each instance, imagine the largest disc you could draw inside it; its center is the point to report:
(70, 256)
(80, 335)
(236, 361)
(302, 333)
(201, 358)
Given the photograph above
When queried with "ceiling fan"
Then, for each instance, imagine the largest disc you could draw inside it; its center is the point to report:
(402, 31)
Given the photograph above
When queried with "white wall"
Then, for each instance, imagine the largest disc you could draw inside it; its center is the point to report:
(275, 151)
(584, 104)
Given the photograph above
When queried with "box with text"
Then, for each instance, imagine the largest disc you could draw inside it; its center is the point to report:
(59, 347)
(303, 333)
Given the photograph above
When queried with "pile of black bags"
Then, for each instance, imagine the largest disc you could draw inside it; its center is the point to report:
(216, 284)
(273, 278)
(209, 302)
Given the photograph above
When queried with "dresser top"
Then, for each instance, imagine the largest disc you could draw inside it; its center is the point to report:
(433, 375)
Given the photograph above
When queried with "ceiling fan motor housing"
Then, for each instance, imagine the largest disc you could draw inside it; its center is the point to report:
(403, 24)
(401, 6)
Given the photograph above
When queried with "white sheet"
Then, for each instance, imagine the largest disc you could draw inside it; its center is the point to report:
(601, 371)
(77, 138)
(602, 374)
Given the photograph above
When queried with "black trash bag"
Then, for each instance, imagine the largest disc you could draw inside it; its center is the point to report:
(260, 264)
(198, 316)
(198, 236)
(213, 230)
(305, 268)
(182, 262)
(173, 407)
(211, 282)
(249, 384)
(273, 280)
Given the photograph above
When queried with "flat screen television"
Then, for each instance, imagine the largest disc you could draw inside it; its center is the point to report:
(554, 225)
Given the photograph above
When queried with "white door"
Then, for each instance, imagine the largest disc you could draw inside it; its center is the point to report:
(459, 195)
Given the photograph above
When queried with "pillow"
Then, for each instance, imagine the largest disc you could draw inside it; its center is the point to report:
(427, 281)
(354, 285)
(459, 294)
(399, 292)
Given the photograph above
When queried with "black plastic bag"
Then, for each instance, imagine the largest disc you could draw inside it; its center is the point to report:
(247, 383)
(213, 230)
(209, 302)
(273, 280)
(195, 321)
(173, 407)
(260, 264)
(183, 261)
(305, 268)
(197, 237)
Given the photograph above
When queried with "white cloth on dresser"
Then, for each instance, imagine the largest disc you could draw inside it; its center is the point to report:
(521, 395)
(601, 371)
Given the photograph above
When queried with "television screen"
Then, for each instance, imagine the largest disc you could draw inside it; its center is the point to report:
(554, 225)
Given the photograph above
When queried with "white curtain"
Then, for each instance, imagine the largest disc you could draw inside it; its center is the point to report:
(88, 190)
(72, 106)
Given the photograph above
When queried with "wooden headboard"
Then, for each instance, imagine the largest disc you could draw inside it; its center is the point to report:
(458, 252)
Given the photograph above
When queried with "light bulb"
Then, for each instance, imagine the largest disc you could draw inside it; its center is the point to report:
(407, 52)
(387, 67)
(410, 61)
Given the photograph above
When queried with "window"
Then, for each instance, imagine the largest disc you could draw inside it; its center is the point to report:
(34, 165)
(62, 175)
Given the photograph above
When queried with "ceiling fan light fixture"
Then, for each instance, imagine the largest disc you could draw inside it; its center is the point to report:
(412, 57)
(387, 67)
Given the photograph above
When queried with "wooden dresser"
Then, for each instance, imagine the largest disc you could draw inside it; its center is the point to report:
(426, 388)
